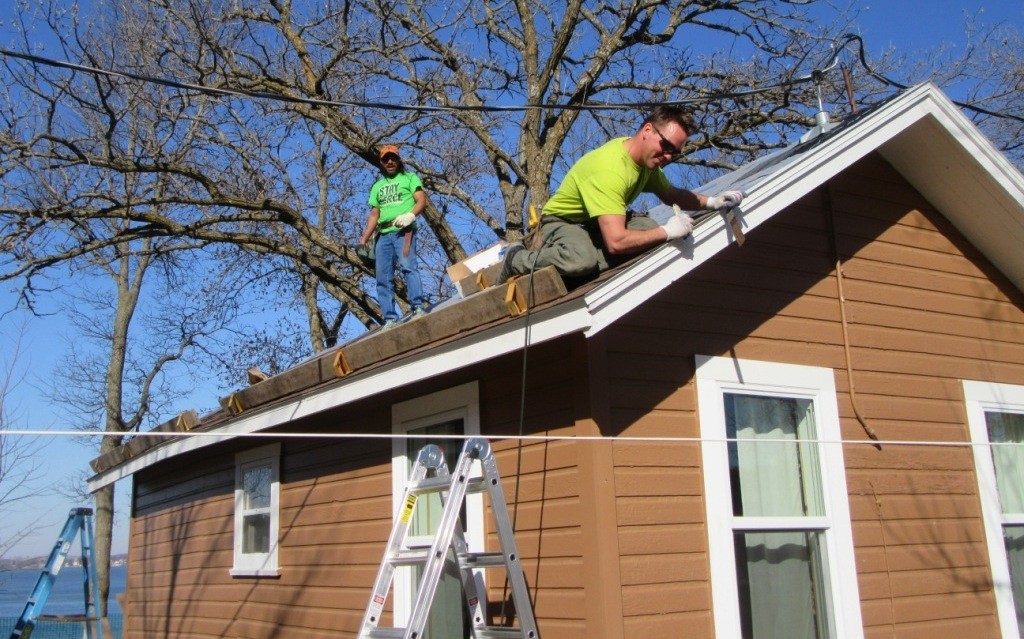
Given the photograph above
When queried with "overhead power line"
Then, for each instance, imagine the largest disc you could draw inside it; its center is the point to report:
(815, 76)
(391, 106)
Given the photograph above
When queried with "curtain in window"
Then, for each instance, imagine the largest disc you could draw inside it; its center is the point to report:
(780, 573)
(1008, 428)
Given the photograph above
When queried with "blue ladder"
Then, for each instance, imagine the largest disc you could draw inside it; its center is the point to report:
(79, 520)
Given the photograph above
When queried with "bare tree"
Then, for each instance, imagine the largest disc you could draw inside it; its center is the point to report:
(988, 68)
(21, 472)
(266, 161)
(284, 174)
(233, 164)
(116, 374)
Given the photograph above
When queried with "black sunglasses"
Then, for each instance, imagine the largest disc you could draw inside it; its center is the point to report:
(667, 147)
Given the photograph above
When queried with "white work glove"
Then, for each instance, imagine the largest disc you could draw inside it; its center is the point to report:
(677, 226)
(725, 200)
(404, 220)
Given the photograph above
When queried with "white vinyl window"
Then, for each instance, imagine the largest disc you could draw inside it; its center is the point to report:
(779, 535)
(455, 411)
(995, 416)
(257, 512)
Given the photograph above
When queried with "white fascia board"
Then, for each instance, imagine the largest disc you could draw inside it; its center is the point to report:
(970, 140)
(963, 175)
(977, 144)
(544, 325)
(780, 189)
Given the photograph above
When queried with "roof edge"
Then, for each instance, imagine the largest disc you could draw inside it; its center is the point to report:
(539, 326)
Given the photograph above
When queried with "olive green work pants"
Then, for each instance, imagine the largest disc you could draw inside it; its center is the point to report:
(575, 250)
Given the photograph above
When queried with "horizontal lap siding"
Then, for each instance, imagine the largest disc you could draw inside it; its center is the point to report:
(924, 310)
(336, 516)
(332, 527)
(546, 505)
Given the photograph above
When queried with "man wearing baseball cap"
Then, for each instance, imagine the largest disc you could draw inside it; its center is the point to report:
(395, 201)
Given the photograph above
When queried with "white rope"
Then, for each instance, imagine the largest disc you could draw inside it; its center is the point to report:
(527, 438)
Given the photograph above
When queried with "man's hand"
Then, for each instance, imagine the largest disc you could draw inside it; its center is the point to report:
(404, 220)
(725, 200)
(677, 226)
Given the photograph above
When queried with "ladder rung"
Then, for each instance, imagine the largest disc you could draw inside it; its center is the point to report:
(409, 557)
(487, 632)
(449, 538)
(482, 559)
(499, 632)
(438, 484)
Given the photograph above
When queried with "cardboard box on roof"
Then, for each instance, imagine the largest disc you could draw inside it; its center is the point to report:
(475, 263)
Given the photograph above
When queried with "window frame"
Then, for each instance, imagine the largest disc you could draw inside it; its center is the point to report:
(457, 402)
(716, 376)
(980, 397)
(257, 564)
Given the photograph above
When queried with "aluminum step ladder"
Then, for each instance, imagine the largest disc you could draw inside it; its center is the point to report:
(79, 522)
(430, 476)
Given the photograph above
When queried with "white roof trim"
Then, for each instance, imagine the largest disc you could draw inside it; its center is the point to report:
(504, 338)
(898, 130)
(800, 174)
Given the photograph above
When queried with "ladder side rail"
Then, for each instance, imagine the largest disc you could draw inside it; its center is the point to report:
(452, 503)
(92, 585)
(44, 585)
(473, 587)
(430, 457)
(506, 538)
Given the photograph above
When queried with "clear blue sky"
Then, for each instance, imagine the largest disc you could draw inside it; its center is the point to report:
(906, 25)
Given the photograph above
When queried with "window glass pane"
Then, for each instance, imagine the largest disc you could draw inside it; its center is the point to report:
(1006, 428)
(774, 476)
(781, 585)
(449, 616)
(427, 514)
(256, 487)
(256, 533)
(1014, 538)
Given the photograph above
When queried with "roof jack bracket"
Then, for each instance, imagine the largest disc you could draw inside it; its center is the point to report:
(822, 123)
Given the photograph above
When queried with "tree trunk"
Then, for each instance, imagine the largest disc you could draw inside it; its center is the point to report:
(104, 521)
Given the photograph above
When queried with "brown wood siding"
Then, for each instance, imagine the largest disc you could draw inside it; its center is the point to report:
(613, 533)
(336, 515)
(925, 311)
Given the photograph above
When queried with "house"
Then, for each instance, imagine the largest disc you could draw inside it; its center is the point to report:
(700, 460)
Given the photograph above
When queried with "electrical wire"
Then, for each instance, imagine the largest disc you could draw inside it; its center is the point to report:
(862, 57)
(391, 106)
(522, 417)
(814, 76)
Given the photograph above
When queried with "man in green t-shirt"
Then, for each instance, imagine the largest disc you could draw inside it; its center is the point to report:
(586, 220)
(395, 201)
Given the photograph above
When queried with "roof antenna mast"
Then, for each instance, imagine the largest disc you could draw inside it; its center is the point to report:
(822, 123)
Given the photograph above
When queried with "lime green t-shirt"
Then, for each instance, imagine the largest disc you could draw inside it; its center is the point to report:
(394, 196)
(603, 182)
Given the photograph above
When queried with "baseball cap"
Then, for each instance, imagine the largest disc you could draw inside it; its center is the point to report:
(387, 149)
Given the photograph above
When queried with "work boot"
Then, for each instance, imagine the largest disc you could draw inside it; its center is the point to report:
(388, 325)
(418, 311)
(506, 269)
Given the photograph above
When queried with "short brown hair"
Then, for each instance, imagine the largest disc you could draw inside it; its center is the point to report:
(663, 114)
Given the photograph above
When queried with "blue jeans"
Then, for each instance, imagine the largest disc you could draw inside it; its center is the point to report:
(389, 255)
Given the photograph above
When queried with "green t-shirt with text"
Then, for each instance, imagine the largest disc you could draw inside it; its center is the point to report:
(603, 182)
(394, 196)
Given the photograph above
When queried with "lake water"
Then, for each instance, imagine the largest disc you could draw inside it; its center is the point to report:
(65, 598)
